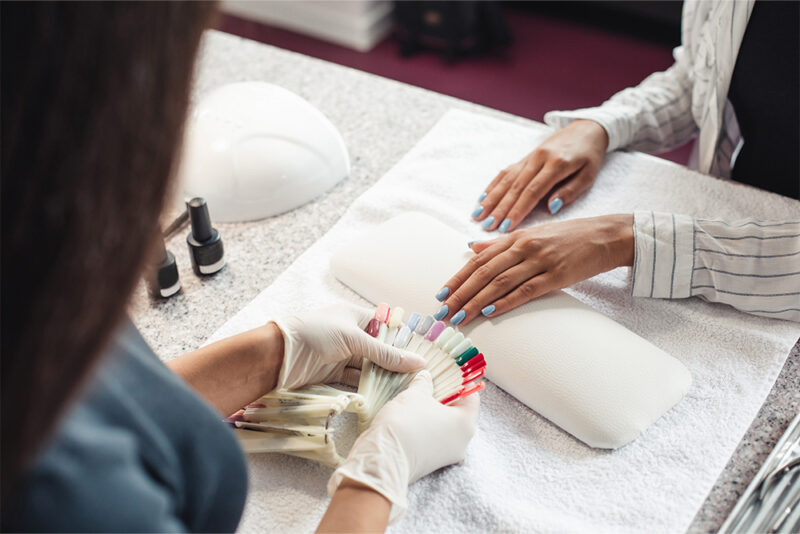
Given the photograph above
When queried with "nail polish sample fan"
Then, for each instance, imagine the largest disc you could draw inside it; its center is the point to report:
(299, 422)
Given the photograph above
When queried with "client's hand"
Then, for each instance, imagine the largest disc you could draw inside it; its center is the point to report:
(318, 345)
(511, 270)
(570, 157)
(412, 436)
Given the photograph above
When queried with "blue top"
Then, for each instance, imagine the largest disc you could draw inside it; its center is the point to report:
(138, 452)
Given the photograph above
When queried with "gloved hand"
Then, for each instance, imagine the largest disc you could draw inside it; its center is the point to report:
(412, 436)
(318, 345)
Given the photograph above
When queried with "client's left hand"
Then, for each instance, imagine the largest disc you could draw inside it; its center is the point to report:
(511, 270)
(318, 345)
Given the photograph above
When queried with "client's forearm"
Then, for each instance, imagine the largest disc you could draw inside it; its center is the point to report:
(236, 370)
(356, 508)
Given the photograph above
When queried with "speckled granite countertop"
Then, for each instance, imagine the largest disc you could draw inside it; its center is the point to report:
(380, 120)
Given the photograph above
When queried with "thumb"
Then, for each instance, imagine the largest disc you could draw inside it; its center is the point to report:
(468, 406)
(388, 357)
(362, 315)
(422, 384)
(466, 410)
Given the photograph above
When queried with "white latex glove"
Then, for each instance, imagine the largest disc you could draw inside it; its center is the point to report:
(412, 436)
(318, 345)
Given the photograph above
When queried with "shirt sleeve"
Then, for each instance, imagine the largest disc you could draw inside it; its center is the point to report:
(654, 116)
(751, 265)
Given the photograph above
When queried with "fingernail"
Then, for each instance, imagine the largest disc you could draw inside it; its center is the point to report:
(555, 205)
(477, 212)
(483, 195)
(488, 222)
(504, 226)
(441, 313)
(488, 310)
(457, 318)
(469, 245)
(442, 294)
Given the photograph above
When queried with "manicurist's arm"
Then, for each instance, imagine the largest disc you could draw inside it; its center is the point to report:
(234, 371)
(294, 351)
(356, 508)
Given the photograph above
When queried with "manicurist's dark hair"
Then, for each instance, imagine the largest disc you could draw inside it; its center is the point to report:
(93, 102)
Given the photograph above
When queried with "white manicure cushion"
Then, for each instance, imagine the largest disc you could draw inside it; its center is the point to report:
(581, 370)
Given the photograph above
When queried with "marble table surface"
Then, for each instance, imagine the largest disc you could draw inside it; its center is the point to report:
(380, 121)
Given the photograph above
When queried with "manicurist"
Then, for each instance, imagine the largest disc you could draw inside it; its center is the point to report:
(735, 87)
(97, 433)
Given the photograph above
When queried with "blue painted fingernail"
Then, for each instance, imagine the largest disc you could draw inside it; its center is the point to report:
(488, 222)
(469, 245)
(477, 212)
(457, 318)
(488, 310)
(442, 294)
(555, 205)
(441, 313)
(504, 226)
(483, 195)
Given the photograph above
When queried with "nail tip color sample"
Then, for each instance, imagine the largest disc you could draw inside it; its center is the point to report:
(414, 320)
(456, 369)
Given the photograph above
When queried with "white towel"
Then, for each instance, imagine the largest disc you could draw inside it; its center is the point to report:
(523, 473)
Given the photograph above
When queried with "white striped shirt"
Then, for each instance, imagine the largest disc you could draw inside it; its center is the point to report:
(753, 266)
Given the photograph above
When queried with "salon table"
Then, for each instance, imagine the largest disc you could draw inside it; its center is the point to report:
(380, 120)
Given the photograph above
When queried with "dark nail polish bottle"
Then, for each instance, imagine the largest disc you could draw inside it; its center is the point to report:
(162, 277)
(205, 244)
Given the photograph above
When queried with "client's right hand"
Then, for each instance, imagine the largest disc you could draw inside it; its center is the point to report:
(565, 165)
(412, 436)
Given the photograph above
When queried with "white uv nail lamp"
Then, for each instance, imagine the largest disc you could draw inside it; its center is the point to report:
(254, 150)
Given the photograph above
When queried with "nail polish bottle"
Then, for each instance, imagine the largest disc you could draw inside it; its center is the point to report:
(205, 244)
(162, 277)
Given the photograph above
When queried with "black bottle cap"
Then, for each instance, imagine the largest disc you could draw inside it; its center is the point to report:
(205, 244)
(201, 221)
(162, 277)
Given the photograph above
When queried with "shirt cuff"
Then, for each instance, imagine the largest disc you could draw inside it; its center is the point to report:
(663, 255)
(600, 115)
